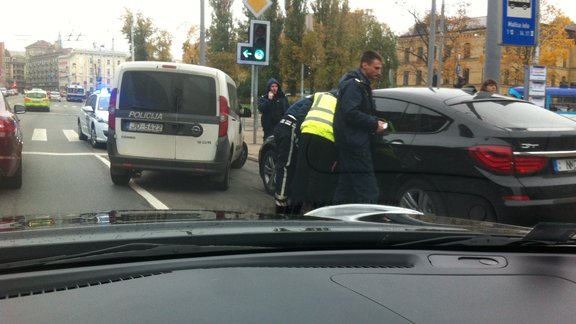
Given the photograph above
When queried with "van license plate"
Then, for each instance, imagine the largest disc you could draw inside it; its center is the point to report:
(145, 127)
(565, 165)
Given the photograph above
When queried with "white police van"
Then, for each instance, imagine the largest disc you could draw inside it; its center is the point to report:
(174, 117)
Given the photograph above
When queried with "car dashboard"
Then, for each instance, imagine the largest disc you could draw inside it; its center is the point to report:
(334, 286)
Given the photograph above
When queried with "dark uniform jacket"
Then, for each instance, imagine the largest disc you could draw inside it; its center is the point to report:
(272, 110)
(355, 117)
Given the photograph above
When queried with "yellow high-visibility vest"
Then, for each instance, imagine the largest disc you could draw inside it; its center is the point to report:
(320, 118)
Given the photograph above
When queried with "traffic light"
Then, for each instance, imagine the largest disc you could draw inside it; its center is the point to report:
(256, 50)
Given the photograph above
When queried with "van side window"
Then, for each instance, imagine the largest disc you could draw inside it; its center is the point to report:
(233, 98)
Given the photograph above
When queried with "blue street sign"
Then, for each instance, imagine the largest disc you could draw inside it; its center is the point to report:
(519, 22)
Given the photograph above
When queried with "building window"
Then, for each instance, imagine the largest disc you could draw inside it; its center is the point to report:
(466, 75)
(553, 81)
(405, 78)
(420, 54)
(107, 61)
(406, 55)
(447, 51)
(418, 77)
(467, 50)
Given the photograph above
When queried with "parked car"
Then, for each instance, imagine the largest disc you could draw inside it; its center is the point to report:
(37, 99)
(11, 143)
(175, 117)
(93, 118)
(478, 156)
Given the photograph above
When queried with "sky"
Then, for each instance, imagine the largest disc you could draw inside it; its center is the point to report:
(99, 25)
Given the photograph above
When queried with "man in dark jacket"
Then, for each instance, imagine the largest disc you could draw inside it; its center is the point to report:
(355, 123)
(272, 106)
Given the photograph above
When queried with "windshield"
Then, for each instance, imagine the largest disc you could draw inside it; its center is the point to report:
(254, 120)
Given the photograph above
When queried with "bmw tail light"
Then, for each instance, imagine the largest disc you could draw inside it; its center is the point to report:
(112, 109)
(494, 158)
(223, 118)
(501, 159)
(529, 164)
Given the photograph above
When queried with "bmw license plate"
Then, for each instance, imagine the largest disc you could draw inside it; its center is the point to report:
(565, 165)
(145, 127)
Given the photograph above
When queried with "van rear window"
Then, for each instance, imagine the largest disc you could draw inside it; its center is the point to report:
(168, 92)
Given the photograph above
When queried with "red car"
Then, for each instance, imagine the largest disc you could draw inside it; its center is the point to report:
(10, 145)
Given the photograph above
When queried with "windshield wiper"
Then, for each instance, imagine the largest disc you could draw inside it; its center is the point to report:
(128, 251)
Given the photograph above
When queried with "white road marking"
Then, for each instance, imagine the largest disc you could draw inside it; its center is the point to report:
(71, 135)
(39, 134)
(153, 201)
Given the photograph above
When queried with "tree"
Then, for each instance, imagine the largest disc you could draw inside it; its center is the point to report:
(191, 47)
(290, 58)
(221, 43)
(143, 32)
(160, 46)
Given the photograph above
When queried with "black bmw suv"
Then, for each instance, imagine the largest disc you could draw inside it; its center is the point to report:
(477, 156)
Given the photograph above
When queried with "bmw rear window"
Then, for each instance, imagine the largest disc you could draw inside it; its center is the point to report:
(168, 92)
(514, 115)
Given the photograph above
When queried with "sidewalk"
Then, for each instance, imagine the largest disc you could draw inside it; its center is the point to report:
(254, 144)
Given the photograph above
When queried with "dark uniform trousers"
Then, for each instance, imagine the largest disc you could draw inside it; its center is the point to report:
(357, 184)
(284, 136)
(315, 178)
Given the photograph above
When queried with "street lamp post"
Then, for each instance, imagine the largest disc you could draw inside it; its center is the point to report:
(202, 35)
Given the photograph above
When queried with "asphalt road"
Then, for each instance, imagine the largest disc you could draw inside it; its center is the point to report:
(63, 175)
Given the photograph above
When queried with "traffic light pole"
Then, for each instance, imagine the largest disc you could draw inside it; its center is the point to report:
(254, 101)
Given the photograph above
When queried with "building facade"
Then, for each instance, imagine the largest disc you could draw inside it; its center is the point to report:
(92, 69)
(464, 59)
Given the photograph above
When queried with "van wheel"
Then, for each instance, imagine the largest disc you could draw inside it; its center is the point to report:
(421, 196)
(224, 182)
(241, 160)
(120, 177)
(81, 135)
(15, 181)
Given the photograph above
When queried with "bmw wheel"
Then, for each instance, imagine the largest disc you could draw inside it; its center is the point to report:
(421, 196)
(268, 171)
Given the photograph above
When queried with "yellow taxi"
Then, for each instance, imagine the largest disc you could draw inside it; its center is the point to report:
(37, 99)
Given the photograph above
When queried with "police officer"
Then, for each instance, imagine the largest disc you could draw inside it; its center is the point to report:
(354, 125)
(315, 177)
(285, 136)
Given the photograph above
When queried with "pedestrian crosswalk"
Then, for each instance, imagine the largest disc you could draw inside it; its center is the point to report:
(41, 135)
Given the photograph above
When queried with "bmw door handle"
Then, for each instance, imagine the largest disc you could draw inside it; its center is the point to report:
(393, 142)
